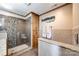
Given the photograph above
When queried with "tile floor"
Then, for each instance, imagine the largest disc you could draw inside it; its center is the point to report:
(32, 52)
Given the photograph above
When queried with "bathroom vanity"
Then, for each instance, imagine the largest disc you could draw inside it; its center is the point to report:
(3, 43)
(48, 47)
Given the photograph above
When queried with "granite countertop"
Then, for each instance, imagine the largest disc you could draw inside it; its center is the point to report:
(69, 46)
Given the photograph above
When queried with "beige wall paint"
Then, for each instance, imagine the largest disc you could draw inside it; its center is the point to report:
(63, 18)
(75, 21)
(62, 26)
(75, 15)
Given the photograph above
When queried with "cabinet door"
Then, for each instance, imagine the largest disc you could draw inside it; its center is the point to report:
(47, 49)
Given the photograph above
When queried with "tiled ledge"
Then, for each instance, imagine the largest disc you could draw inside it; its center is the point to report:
(72, 47)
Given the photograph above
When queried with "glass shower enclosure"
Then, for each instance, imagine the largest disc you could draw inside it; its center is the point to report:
(18, 33)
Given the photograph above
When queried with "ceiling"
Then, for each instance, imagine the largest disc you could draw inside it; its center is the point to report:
(24, 8)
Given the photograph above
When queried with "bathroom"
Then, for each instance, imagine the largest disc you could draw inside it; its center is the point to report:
(35, 33)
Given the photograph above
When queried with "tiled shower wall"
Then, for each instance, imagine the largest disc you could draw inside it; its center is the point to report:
(13, 26)
(10, 26)
(28, 30)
